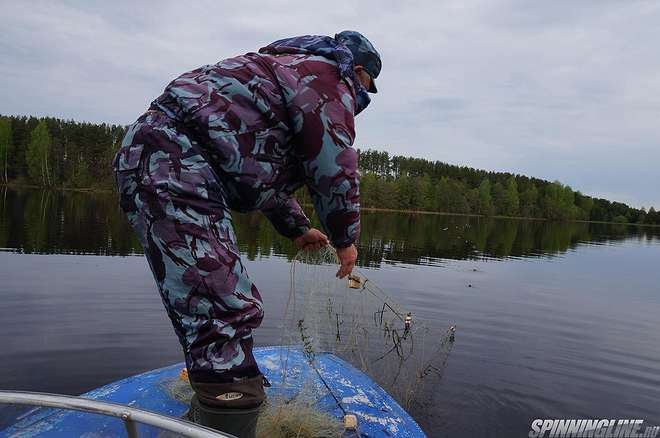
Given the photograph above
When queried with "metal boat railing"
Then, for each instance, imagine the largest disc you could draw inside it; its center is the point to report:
(130, 416)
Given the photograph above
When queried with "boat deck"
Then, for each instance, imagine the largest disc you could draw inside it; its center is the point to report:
(163, 391)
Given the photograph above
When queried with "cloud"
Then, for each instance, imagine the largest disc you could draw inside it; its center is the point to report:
(560, 90)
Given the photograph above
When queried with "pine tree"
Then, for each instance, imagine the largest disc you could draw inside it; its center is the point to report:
(37, 154)
(6, 146)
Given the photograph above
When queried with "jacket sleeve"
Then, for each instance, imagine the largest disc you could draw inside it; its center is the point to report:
(322, 113)
(287, 216)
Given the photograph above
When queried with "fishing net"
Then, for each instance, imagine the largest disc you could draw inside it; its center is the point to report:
(357, 321)
(280, 417)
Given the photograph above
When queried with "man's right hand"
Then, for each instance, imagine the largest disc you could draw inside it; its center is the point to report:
(347, 257)
(311, 240)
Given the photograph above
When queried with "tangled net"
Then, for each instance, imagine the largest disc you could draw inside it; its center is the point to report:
(279, 417)
(355, 320)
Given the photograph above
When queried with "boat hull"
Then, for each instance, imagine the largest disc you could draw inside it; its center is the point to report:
(163, 391)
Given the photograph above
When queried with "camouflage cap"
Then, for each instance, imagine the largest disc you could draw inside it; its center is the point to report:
(364, 54)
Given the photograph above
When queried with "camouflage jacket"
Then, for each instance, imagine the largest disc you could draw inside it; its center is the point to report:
(271, 123)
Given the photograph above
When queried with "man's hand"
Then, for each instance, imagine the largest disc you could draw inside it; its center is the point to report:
(347, 257)
(311, 240)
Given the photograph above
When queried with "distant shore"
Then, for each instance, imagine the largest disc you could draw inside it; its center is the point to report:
(15, 185)
(543, 219)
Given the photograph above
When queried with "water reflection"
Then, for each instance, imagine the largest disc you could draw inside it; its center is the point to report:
(55, 222)
(571, 334)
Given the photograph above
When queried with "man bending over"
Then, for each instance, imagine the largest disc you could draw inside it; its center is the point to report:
(243, 134)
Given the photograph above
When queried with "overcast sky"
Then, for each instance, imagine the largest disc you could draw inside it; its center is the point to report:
(566, 90)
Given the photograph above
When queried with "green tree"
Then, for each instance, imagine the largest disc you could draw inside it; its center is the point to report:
(498, 197)
(368, 185)
(429, 193)
(408, 193)
(472, 197)
(529, 201)
(6, 146)
(641, 218)
(452, 196)
(511, 201)
(585, 204)
(81, 177)
(37, 154)
(485, 198)
(558, 202)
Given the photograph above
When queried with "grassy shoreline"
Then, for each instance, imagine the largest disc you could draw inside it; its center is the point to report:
(18, 185)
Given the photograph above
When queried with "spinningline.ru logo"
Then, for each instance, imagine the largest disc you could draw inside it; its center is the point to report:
(589, 428)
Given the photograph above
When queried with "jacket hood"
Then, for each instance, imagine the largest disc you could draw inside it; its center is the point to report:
(329, 48)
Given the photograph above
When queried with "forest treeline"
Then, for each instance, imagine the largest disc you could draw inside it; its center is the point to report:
(407, 183)
(51, 152)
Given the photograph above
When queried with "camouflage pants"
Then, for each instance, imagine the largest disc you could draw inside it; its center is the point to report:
(176, 205)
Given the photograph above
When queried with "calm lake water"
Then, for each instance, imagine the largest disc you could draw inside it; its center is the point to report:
(554, 320)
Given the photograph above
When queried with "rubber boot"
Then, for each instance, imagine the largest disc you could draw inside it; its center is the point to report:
(242, 423)
(231, 407)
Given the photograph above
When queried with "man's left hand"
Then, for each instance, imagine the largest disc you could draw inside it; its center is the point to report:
(311, 240)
